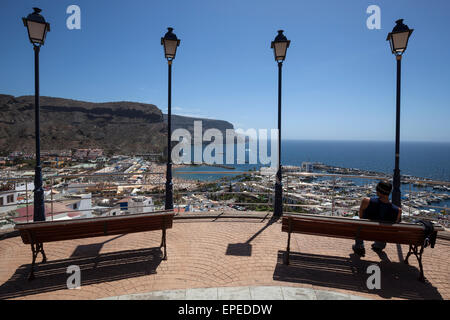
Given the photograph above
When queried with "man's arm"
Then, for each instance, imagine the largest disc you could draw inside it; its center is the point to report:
(364, 204)
(399, 217)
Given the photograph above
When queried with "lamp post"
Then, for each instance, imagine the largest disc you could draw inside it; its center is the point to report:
(37, 30)
(170, 43)
(398, 40)
(279, 46)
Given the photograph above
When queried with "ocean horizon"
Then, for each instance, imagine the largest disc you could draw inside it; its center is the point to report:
(417, 158)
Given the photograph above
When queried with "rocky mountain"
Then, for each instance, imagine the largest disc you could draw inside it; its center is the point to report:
(188, 123)
(118, 127)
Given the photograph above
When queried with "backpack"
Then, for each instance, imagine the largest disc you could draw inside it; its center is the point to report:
(430, 234)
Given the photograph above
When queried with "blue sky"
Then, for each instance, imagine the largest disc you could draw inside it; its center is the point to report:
(338, 77)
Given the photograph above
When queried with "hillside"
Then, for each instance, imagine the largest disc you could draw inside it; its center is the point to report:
(118, 127)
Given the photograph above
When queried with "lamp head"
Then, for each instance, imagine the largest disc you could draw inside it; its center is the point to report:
(398, 38)
(279, 46)
(170, 43)
(37, 27)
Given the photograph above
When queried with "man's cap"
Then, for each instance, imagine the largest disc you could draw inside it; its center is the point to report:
(384, 187)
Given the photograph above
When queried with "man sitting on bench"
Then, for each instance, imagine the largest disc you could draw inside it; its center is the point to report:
(378, 208)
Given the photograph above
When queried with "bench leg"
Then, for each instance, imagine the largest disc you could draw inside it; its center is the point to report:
(419, 258)
(286, 257)
(409, 253)
(44, 258)
(163, 244)
(35, 249)
(162, 239)
(414, 249)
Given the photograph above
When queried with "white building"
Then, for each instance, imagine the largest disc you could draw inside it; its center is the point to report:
(141, 204)
(8, 201)
(307, 166)
(132, 205)
(83, 204)
(24, 186)
(78, 187)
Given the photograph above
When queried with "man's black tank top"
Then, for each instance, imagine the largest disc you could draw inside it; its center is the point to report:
(377, 210)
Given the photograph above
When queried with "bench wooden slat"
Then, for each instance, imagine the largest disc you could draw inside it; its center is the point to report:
(86, 228)
(32, 225)
(344, 229)
(339, 227)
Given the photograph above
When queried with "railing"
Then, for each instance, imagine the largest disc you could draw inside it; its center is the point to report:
(409, 207)
(326, 194)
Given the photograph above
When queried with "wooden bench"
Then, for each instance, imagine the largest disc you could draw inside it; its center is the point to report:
(339, 227)
(37, 233)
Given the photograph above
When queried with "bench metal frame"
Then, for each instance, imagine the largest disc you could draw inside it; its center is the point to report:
(36, 247)
(417, 251)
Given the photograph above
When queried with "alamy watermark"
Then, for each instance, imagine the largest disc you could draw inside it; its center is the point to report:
(374, 280)
(74, 20)
(374, 20)
(251, 142)
(74, 280)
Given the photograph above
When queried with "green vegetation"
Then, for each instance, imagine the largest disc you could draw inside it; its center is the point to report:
(252, 202)
(294, 209)
(210, 187)
(28, 164)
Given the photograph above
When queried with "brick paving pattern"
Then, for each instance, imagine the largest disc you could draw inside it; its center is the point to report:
(217, 253)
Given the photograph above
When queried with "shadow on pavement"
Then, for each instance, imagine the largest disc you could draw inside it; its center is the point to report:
(245, 249)
(398, 280)
(52, 276)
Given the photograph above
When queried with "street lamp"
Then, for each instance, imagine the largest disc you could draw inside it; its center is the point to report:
(279, 46)
(170, 43)
(37, 30)
(398, 40)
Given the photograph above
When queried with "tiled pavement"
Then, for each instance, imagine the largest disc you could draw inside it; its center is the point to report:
(240, 293)
(218, 253)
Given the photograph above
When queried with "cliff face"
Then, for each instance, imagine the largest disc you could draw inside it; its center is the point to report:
(119, 127)
(122, 127)
(188, 124)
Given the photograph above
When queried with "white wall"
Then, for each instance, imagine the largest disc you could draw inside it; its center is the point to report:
(8, 206)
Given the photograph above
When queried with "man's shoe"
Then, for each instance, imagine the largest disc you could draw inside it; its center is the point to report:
(359, 251)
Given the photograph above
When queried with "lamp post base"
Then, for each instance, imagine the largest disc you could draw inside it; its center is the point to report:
(169, 196)
(39, 205)
(169, 188)
(278, 203)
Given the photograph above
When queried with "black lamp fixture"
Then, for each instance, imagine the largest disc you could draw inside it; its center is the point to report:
(37, 30)
(398, 40)
(170, 43)
(37, 27)
(279, 46)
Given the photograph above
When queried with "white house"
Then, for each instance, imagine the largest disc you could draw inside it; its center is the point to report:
(132, 205)
(8, 201)
(82, 203)
(307, 166)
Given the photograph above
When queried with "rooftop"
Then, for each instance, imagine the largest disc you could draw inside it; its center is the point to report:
(220, 253)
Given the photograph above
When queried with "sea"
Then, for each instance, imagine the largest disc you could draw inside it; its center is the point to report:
(419, 159)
